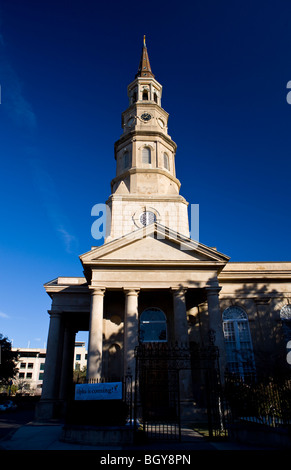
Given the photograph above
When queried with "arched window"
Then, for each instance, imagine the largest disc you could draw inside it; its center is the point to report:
(285, 316)
(145, 95)
(146, 155)
(155, 97)
(134, 97)
(153, 326)
(166, 161)
(238, 343)
(126, 160)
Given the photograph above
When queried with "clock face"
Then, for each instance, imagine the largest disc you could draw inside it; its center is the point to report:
(146, 117)
(147, 218)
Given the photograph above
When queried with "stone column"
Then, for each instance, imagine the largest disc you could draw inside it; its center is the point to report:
(182, 340)
(180, 316)
(47, 407)
(130, 331)
(94, 361)
(216, 336)
(53, 360)
(67, 363)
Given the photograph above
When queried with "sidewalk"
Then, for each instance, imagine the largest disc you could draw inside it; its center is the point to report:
(35, 436)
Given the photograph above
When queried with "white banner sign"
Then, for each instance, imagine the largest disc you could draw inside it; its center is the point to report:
(99, 391)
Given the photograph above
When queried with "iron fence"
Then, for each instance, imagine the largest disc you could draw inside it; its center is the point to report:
(159, 368)
(268, 404)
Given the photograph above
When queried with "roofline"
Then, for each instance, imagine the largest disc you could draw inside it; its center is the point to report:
(165, 233)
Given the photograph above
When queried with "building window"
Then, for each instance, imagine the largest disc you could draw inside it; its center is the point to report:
(285, 316)
(238, 343)
(21, 375)
(147, 218)
(28, 354)
(41, 366)
(30, 365)
(145, 95)
(166, 161)
(153, 326)
(78, 357)
(126, 160)
(146, 155)
(22, 365)
(40, 376)
(155, 97)
(29, 375)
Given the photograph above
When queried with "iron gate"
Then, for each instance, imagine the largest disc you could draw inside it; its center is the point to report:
(157, 387)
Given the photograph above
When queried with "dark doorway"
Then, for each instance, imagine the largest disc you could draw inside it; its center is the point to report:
(159, 367)
(157, 392)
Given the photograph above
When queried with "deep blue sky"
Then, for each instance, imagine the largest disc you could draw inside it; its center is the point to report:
(64, 71)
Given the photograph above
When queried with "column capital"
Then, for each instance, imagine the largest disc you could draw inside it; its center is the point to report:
(131, 290)
(212, 290)
(55, 313)
(97, 290)
(179, 291)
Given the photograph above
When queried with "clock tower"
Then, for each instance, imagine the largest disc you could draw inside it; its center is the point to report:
(145, 189)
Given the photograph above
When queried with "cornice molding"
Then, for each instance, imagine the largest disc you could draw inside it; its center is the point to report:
(144, 133)
(136, 170)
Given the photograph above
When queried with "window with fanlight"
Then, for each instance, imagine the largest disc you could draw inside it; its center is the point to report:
(238, 343)
(153, 326)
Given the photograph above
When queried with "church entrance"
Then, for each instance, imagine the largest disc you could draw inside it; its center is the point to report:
(158, 406)
(157, 401)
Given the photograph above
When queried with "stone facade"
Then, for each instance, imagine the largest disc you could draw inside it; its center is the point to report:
(148, 261)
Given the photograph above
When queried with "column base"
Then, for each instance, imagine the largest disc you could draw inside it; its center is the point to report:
(47, 410)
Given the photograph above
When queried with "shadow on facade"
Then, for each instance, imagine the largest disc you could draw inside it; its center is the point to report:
(262, 306)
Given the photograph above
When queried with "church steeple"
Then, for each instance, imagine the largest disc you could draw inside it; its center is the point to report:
(144, 69)
(145, 188)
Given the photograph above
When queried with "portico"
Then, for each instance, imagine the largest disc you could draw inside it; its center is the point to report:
(143, 269)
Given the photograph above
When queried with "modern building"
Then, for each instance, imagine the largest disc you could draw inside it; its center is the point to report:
(80, 356)
(30, 370)
(150, 287)
(31, 365)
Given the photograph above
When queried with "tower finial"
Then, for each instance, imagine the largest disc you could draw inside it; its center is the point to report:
(144, 69)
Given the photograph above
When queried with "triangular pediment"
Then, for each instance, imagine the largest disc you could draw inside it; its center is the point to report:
(154, 244)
